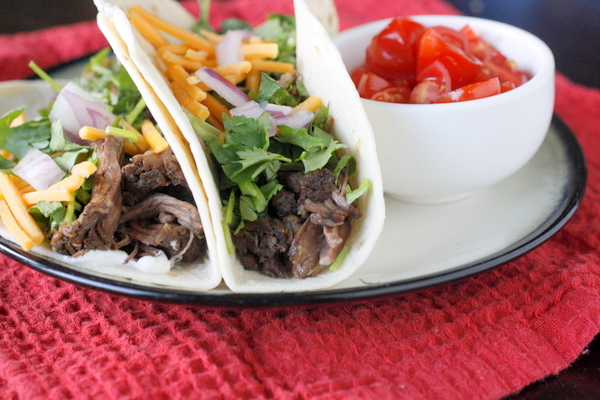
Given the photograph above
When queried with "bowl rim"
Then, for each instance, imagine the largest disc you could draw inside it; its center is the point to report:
(546, 71)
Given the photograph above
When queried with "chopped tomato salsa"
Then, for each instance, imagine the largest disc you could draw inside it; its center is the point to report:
(410, 63)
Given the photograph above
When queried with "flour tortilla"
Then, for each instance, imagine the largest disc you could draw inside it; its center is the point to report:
(323, 74)
(152, 271)
(326, 12)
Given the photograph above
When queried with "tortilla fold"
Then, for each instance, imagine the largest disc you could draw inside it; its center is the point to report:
(114, 264)
(323, 74)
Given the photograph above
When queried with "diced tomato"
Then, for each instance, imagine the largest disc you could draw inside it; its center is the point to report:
(437, 72)
(506, 86)
(392, 53)
(395, 94)
(481, 49)
(495, 64)
(426, 92)
(407, 62)
(356, 75)
(473, 91)
(506, 71)
(367, 83)
(463, 67)
(454, 37)
(372, 86)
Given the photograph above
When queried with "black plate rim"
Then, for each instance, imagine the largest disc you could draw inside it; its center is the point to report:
(572, 196)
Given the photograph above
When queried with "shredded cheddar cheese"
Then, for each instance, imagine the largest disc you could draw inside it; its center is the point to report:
(91, 133)
(313, 103)
(216, 108)
(197, 50)
(260, 50)
(84, 168)
(13, 227)
(19, 209)
(62, 195)
(272, 66)
(153, 137)
(194, 40)
(147, 30)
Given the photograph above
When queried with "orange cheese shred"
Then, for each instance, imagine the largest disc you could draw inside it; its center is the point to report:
(13, 227)
(194, 40)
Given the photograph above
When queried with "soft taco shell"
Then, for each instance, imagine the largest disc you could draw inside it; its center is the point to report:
(155, 271)
(324, 74)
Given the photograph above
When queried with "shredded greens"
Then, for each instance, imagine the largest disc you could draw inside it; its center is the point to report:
(103, 78)
(250, 159)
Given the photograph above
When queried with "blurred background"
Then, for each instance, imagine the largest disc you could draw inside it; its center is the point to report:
(569, 27)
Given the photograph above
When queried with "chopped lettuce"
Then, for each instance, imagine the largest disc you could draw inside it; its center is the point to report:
(352, 195)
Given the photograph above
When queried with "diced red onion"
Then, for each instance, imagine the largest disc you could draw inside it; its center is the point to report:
(75, 108)
(229, 49)
(298, 119)
(278, 110)
(38, 169)
(278, 114)
(253, 110)
(233, 94)
(250, 109)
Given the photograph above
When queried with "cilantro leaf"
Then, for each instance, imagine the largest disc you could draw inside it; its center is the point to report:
(17, 140)
(48, 214)
(299, 137)
(319, 146)
(318, 159)
(272, 91)
(250, 164)
(248, 132)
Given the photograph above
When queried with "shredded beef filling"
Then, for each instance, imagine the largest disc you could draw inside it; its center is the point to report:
(95, 227)
(143, 207)
(165, 222)
(149, 172)
(307, 225)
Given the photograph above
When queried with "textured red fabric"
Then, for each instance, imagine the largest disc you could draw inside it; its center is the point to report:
(479, 338)
(48, 48)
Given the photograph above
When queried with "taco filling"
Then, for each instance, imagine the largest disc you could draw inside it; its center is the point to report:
(287, 185)
(94, 173)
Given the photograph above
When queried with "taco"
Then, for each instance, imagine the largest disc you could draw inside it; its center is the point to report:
(100, 181)
(282, 145)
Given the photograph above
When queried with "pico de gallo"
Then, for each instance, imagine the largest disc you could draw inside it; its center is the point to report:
(410, 63)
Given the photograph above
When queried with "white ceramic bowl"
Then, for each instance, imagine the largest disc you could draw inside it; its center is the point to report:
(432, 153)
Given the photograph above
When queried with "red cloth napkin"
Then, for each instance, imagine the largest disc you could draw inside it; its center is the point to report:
(479, 338)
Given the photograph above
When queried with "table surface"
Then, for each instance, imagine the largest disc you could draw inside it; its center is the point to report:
(568, 26)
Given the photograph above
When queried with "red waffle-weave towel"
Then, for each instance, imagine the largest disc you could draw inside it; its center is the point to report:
(480, 338)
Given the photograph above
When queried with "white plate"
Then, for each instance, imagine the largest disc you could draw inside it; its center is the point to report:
(420, 246)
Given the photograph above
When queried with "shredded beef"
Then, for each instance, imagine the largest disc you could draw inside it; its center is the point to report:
(262, 246)
(95, 227)
(168, 223)
(165, 208)
(149, 223)
(307, 226)
(284, 203)
(149, 172)
(176, 241)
